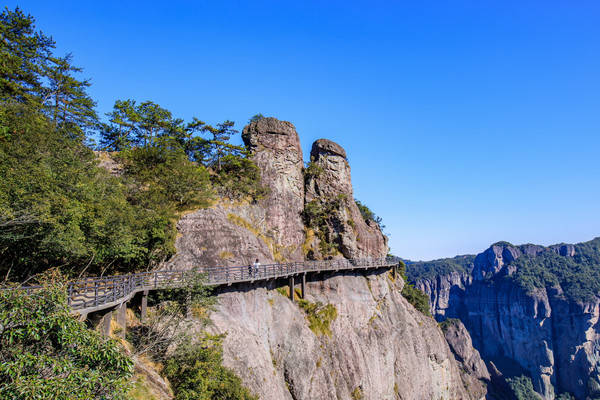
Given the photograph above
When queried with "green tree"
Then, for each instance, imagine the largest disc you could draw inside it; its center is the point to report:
(219, 143)
(24, 53)
(66, 98)
(47, 354)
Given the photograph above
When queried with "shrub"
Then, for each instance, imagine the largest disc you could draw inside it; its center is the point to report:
(319, 316)
(47, 354)
(196, 372)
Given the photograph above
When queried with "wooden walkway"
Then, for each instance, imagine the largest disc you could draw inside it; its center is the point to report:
(99, 293)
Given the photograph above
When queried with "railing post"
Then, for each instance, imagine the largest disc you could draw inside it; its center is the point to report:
(95, 293)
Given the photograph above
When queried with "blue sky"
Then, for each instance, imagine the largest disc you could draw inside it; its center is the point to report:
(465, 122)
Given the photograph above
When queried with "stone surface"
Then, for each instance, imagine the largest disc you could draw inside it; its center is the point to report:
(474, 372)
(380, 345)
(276, 150)
(353, 237)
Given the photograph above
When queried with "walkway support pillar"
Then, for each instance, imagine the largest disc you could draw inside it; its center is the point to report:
(144, 309)
(303, 286)
(122, 318)
(105, 324)
(291, 284)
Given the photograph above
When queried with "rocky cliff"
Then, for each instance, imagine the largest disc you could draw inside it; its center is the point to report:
(525, 324)
(354, 336)
(378, 346)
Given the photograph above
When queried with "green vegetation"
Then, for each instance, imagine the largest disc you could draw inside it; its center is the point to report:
(57, 207)
(523, 388)
(417, 271)
(369, 215)
(48, 354)
(357, 393)
(320, 216)
(578, 276)
(417, 298)
(447, 323)
(319, 316)
(196, 372)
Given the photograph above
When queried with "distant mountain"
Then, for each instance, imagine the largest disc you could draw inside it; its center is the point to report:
(531, 310)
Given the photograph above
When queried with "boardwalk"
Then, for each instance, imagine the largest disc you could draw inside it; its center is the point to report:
(100, 293)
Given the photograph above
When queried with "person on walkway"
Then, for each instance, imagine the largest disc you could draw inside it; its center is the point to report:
(256, 266)
(250, 269)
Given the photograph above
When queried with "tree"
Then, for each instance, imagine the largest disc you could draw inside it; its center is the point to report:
(219, 142)
(46, 353)
(24, 53)
(66, 98)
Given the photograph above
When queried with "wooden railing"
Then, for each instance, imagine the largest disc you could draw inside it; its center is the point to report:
(96, 293)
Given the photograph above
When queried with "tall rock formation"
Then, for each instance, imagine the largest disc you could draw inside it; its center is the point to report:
(276, 150)
(380, 347)
(540, 333)
(271, 230)
(329, 186)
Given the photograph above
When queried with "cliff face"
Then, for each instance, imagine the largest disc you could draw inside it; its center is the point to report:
(539, 333)
(355, 336)
(380, 347)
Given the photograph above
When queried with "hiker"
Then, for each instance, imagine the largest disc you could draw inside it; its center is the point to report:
(256, 265)
(250, 269)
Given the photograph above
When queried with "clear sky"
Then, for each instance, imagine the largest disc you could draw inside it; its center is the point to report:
(465, 122)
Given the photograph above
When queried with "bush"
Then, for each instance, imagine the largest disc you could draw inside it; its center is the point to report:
(417, 298)
(47, 354)
(196, 372)
(523, 388)
(319, 316)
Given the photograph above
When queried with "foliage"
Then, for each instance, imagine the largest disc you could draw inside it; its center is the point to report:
(320, 216)
(421, 270)
(319, 316)
(196, 372)
(238, 178)
(256, 117)
(357, 393)
(24, 53)
(414, 296)
(312, 170)
(522, 388)
(368, 215)
(165, 326)
(58, 208)
(47, 354)
(578, 276)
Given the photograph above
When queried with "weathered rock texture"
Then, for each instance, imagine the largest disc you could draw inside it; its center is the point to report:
(474, 372)
(276, 150)
(540, 334)
(380, 347)
(352, 235)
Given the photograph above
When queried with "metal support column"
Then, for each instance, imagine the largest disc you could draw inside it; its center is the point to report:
(303, 286)
(291, 284)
